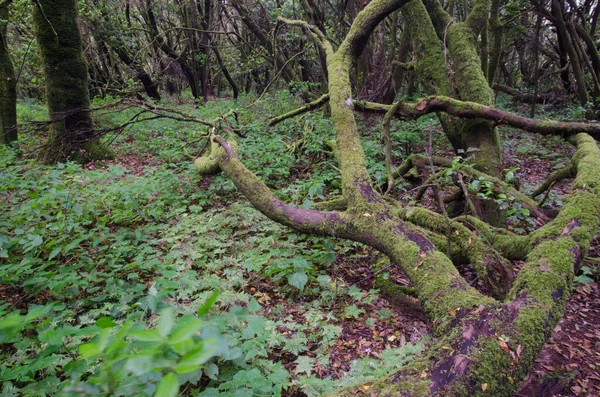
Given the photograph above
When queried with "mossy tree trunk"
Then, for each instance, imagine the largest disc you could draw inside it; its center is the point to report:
(72, 135)
(461, 76)
(8, 91)
(481, 344)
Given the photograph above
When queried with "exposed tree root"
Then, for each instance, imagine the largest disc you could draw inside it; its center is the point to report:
(556, 176)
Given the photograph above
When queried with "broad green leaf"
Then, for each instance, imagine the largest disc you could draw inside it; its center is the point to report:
(202, 310)
(186, 330)
(147, 335)
(105, 322)
(36, 241)
(168, 386)
(167, 319)
(183, 346)
(198, 356)
(297, 280)
(253, 306)
(89, 350)
(54, 252)
(141, 363)
(211, 370)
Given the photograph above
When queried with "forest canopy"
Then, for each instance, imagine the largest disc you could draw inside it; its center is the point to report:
(299, 198)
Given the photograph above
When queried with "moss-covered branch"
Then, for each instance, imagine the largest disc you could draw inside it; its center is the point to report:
(510, 245)
(301, 110)
(223, 157)
(494, 270)
(420, 160)
(471, 110)
(338, 203)
(495, 345)
(316, 34)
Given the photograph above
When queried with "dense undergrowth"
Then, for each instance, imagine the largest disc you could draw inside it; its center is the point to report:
(137, 277)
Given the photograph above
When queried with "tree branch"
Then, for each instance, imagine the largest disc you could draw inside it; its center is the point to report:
(472, 110)
(304, 109)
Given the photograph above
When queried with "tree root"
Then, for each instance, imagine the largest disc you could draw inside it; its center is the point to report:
(556, 176)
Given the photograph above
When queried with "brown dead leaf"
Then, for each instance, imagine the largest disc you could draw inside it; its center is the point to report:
(503, 345)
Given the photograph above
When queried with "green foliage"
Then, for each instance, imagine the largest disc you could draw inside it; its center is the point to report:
(364, 370)
(588, 274)
(109, 272)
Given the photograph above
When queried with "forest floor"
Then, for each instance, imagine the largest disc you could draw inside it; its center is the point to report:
(568, 365)
(141, 233)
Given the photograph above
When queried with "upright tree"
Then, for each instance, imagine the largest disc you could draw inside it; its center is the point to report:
(8, 91)
(72, 134)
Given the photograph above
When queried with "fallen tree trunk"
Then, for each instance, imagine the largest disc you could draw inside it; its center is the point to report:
(481, 344)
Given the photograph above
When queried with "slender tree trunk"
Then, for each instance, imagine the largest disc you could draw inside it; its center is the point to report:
(536, 60)
(565, 41)
(8, 91)
(71, 133)
(590, 46)
(497, 31)
(230, 79)
(150, 86)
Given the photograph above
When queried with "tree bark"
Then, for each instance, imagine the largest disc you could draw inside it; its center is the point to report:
(566, 43)
(71, 132)
(8, 89)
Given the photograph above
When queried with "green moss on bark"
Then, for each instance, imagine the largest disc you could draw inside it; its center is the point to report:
(430, 64)
(71, 131)
(8, 90)
(209, 163)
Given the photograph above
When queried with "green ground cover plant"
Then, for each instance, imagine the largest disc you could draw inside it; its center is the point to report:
(137, 277)
(127, 280)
